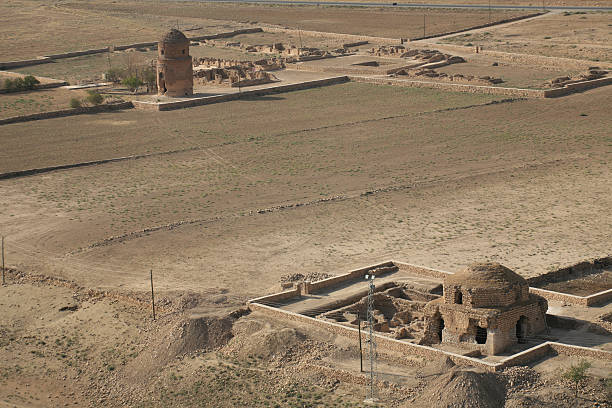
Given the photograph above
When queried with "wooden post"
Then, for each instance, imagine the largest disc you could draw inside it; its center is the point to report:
(360, 352)
(152, 296)
(423, 24)
(3, 279)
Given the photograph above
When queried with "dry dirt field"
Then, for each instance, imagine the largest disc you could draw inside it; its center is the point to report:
(374, 22)
(44, 100)
(230, 198)
(57, 24)
(578, 35)
(439, 172)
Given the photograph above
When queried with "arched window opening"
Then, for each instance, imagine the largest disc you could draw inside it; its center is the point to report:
(458, 297)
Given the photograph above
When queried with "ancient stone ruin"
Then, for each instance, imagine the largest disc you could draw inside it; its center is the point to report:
(589, 75)
(232, 73)
(486, 305)
(427, 56)
(174, 70)
(422, 73)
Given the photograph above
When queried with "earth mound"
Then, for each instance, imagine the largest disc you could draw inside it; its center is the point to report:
(462, 388)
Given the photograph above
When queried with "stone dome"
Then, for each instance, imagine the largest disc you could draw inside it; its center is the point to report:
(486, 275)
(174, 36)
(485, 285)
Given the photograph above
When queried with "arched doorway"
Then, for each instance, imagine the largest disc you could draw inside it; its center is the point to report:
(522, 326)
(481, 335)
(440, 328)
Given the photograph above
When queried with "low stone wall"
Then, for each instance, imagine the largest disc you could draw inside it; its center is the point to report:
(577, 87)
(422, 271)
(578, 351)
(527, 356)
(37, 87)
(67, 112)
(570, 271)
(164, 106)
(24, 63)
(492, 90)
(494, 23)
(335, 280)
(388, 345)
(560, 297)
(384, 344)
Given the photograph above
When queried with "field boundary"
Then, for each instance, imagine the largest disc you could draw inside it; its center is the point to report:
(67, 112)
(492, 90)
(31, 172)
(51, 57)
(491, 24)
(207, 100)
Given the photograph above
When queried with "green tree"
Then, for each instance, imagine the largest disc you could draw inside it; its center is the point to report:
(94, 97)
(577, 373)
(132, 83)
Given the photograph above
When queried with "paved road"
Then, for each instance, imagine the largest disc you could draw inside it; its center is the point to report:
(407, 5)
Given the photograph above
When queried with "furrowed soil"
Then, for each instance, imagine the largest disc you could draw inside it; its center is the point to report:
(535, 168)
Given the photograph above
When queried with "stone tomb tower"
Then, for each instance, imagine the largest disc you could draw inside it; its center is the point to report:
(486, 305)
(174, 65)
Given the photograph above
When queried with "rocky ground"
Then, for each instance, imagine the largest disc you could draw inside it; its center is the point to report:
(63, 345)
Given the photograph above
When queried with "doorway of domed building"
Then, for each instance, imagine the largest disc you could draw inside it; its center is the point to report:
(522, 326)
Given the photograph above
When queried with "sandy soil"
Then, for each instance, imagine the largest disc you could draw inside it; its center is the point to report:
(440, 173)
(62, 345)
(569, 35)
(44, 100)
(62, 29)
(579, 3)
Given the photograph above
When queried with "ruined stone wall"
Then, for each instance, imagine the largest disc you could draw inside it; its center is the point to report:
(421, 270)
(164, 106)
(570, 271)
(67, 112)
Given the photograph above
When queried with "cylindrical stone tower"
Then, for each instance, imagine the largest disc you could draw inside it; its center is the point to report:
(174, 65)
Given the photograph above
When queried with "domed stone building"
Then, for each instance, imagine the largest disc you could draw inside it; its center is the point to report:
(487, 305)
(174, 65)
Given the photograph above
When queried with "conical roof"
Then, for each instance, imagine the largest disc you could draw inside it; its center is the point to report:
(174, 36)
(486, 275)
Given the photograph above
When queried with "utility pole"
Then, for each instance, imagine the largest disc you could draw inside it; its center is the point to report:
(423, 24)
(3, 279)
(152, 296)
(371, 339)
(360, 349)
(489, 11)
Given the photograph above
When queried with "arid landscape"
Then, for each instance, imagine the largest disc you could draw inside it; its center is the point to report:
(369, 144)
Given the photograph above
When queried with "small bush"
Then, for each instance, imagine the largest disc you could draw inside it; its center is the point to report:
(577, 373)
(29, 82)
(114, 75)
(20, 84)
(132, 83)
(94, 97)
(75, 103)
